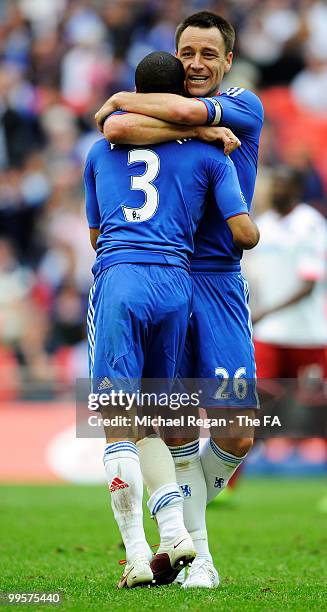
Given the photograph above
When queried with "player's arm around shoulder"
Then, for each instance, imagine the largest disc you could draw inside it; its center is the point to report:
(167, 107)
(134, 129)
(150, 118)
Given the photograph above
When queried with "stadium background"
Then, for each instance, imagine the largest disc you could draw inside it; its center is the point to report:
(59, 60)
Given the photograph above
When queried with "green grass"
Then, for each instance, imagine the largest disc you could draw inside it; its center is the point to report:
(270, 549)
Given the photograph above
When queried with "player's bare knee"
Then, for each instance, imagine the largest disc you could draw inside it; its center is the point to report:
(170, 441)
(236, 446)
(185, 433)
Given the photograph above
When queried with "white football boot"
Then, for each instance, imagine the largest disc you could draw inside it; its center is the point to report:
(202, 575)
(171, 558)
(137, 573)
(181, 577)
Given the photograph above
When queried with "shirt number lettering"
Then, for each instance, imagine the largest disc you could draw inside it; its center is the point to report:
(144, 183)
(240, 385)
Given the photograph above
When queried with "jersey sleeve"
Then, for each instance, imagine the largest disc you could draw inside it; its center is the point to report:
(238, 109)
(226, 188)
(91, 200)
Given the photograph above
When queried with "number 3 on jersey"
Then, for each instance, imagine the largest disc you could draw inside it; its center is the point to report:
(144, 183)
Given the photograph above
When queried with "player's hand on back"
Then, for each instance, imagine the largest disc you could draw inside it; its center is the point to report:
(222, 134)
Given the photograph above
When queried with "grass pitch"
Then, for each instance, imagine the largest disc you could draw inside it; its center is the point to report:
(269, 546)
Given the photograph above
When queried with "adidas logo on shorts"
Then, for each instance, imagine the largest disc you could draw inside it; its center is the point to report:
(105, 384)
(117, 484)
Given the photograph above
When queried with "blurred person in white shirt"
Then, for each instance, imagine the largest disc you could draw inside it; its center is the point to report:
(288, 275)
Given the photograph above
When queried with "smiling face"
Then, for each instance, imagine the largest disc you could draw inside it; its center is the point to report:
(202, 52)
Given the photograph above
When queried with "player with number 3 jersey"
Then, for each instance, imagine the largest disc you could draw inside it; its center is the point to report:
(147, 205)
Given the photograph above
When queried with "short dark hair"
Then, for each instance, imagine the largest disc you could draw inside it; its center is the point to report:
(160, 72)
(205, 19)
(290, 175)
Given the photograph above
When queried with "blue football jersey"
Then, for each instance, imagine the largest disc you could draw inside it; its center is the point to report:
(147, 202)
(242, 112)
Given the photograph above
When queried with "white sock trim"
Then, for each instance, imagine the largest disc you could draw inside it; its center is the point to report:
(167, 495)
(228, 458)
(121, 449)
(189, 450)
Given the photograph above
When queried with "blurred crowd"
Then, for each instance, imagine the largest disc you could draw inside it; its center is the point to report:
(59, 60)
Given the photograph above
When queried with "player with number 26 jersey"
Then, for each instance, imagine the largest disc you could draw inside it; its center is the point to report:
(147, 204)
(219, 342)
